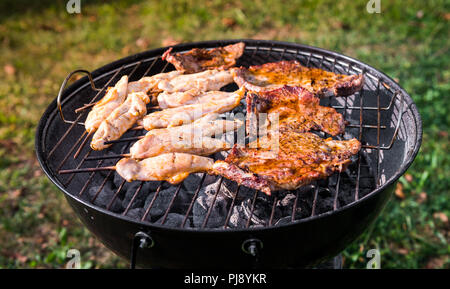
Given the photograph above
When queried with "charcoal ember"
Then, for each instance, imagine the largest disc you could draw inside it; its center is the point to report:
(136, 213)
(162, 201)
(286, 204)
(325, 200)
(104, 196)
(203, 203)
(174, 220)
(141, 196)
(192, 182)
(238, 218)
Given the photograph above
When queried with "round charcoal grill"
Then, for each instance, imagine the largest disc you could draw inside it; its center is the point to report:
(209, 221)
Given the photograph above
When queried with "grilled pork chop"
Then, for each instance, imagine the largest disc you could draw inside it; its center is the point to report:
(296, 109)
(198, 59)
(287, 161)
(273, 75)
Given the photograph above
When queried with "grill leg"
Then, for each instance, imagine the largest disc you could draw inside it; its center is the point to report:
(141, 240)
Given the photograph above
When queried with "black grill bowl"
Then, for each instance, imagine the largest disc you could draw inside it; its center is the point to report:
(391, 137)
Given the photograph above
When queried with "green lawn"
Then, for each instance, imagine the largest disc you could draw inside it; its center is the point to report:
(40, 43)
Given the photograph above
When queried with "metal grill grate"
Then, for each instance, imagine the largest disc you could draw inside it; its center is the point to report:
(356, 106)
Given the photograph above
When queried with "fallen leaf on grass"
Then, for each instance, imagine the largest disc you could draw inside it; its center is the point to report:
(228, 22)
(399, 191)
(435, 263)
(15, 194)
(9, 69)
(142, 43)
(441, 216)
(169, 41)
(402, 251)
(408, 178)
(422, 197)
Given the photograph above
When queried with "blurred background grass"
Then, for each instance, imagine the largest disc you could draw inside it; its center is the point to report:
(40, 43)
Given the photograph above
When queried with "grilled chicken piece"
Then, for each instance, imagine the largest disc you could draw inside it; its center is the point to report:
(186, 114)
(199, 59)
(277, 74)
(295, 160)
(113, 98)
(120, 120)
(192, 96)
(203, 81)
(172, 167)
(294, 108)
(149, 84)
(191, 138)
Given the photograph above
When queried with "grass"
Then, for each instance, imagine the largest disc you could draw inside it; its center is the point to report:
(41, 43)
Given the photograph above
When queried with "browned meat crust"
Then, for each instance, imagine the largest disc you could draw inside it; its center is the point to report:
(273, 75)
(197, 59)
(297, 109)
(299, 159)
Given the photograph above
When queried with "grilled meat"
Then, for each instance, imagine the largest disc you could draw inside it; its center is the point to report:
(171, 167)
(149, 84)
(198, 59)
(120, 120)
(113, 98)
(186, 114)
(286, 161)
(202, 81)
(273, 75)
(190, 138)
(193, 96)
(294, 108)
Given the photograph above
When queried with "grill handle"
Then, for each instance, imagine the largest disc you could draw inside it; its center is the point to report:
(63, 85)
(141, 240)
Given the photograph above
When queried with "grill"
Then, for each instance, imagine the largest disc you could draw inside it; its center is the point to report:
(209, 220)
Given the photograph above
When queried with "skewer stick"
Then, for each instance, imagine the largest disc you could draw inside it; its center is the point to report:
(87, 170)
(85, 106)
(128, 139)
(96, 158)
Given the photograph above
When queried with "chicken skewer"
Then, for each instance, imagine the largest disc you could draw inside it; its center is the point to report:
(186, 114)
(203, 81)
(148, 84)
(191, 138)
(120, 120)
(171, 167)
(192, 96)
(113, 98)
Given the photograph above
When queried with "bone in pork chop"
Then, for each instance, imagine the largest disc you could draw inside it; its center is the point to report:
(287, 161)
(273, 75)
(295, 109)
(199, 59)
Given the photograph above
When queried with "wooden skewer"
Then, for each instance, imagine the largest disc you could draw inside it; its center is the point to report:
(96, 158)
(85, 106)
(87, 170)
(128, 139)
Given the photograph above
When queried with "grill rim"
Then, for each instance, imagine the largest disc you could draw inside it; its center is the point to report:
(113, 66)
